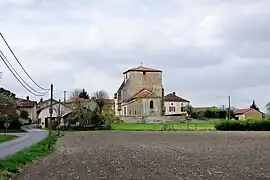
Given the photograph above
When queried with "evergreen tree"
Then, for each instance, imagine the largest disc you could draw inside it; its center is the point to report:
(254, 106)
(83, 94)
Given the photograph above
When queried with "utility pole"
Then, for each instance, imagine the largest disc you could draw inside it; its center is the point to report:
(65, 93)
(229, 110)
(51, 112)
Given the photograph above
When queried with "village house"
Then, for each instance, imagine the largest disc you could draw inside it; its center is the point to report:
(175, 105)
(28, 106)
(61, 109)
(141, 93)
(243, 114)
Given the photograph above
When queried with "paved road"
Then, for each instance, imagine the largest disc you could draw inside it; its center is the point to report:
(156, 156)
(22, 142)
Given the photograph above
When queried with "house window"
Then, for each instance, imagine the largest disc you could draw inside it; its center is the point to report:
(151, 104)
(135, 112)
(172, 109)
(130, 112)
(144, 73)
(182, 109)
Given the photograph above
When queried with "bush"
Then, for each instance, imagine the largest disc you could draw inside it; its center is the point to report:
(243, 125)
(13, 118)
(87, 120)
(24, 114)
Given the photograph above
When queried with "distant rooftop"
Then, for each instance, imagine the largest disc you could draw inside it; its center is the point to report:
(174, 98)
(142, 69)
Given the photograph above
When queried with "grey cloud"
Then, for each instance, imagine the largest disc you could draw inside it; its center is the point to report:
(204, 75)
(248, 28)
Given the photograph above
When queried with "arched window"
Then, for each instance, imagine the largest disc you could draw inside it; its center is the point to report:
(151, 104)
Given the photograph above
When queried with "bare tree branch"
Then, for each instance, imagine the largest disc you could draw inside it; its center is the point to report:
(76, 93)
(59, 110)
(100, 97)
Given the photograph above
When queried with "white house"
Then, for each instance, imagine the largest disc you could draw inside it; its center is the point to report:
(29, 106)
(174, 104)
(59, 109)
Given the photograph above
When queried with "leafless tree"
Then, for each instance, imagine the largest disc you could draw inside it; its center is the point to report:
(76, 93)
(189, 109)
(60, 111)
(100, 97)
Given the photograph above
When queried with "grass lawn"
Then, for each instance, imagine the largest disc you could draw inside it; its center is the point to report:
(4, 138)
(10, 166)
(160, 127)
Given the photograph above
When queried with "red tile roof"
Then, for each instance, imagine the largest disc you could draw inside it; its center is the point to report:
(173, 98)
(144, 93)
(142, 69)
(22, 103)
(242, 111)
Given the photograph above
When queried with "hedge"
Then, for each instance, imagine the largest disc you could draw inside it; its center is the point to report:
(243, 125)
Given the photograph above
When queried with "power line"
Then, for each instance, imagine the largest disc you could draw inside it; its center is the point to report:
(18, 79)
(10, 65)
(21, 64)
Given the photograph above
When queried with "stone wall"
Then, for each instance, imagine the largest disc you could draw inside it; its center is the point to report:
(153, 119)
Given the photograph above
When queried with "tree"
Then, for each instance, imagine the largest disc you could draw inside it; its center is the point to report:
(100, 97)
(268, 107)
(254, 106)
(60, 111)
(76, 93)
(24, 114)
(7, 92)
(83, 94)
(7, 100)
(189, 109)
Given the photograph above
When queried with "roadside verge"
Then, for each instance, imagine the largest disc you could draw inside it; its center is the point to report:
(11, 165)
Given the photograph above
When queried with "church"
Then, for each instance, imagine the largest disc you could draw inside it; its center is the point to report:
(141, 93)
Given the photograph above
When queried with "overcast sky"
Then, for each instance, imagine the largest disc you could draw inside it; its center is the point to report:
(207, 49)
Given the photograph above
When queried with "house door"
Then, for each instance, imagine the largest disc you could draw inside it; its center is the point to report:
(46, 122)
(125, 111)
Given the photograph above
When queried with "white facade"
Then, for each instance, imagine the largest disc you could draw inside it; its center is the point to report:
(32, 112)
(241, 116)
(175, 107)
(45, 113)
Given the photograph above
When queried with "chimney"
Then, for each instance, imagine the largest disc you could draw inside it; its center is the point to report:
(27, 98)
(174, 93)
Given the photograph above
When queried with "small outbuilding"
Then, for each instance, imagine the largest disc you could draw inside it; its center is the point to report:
(243, 114)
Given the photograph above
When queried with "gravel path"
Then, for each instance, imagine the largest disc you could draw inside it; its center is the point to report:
(156, 156)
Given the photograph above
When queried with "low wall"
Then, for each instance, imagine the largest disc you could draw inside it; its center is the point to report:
(153, 119)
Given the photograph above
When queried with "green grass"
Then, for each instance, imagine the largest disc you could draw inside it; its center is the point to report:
(10, 166)
(4, 138)
(164, 127)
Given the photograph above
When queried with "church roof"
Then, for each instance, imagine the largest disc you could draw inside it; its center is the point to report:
(144, 93)
(142, 69)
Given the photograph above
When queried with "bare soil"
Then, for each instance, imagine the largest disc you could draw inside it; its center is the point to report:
(155, 156)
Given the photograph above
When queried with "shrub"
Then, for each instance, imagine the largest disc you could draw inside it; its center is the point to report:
(244, 125)
(24, 114)
(109, 117)
(13, 118)
(88, 120)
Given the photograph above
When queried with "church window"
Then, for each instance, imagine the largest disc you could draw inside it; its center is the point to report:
(151, 104)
